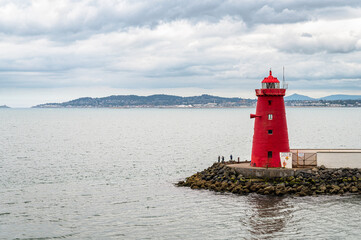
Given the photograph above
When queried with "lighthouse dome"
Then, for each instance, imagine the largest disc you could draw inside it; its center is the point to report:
(270, 82)
(270, 79)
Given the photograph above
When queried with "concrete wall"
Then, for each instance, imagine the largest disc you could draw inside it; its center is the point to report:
(314, 150)
(339, 159)
(330, 158)
(265, 172)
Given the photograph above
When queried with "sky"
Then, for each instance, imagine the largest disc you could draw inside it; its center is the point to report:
(55, 51)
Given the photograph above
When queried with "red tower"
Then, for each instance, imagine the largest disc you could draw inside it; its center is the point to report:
(270, 127)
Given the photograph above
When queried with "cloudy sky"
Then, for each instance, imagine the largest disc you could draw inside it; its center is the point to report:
(53, 51)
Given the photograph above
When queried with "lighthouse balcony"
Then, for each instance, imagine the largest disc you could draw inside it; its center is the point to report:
(271, 92)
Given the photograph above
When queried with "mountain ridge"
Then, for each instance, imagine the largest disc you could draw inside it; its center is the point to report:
(299, 97)
(156, 100)
(341, 97)
(202, 101)
(335, 97)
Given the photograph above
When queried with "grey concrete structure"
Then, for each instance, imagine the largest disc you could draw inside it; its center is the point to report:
(247, 170)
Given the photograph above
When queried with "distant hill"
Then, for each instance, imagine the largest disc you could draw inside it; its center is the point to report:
(341, 97)
(159, 100)
(203, 101)
(4, 106)
(298, 97)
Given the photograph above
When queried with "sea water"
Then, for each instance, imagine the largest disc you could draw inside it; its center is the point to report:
(110, 174)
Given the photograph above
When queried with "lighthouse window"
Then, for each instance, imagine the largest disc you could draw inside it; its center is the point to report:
(270, 85)
(270, 154)
(270, 131)
(269, 102)
(270, 116)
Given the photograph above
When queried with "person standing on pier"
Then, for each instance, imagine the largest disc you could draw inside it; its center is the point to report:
(219, 158)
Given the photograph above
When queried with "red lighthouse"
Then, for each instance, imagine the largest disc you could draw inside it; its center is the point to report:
(270, 127)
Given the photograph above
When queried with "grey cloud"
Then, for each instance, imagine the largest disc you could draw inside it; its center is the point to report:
(308, 35)
(312, 45)
(269, 15)
(171, 44)
(80, 19)
(336, 85)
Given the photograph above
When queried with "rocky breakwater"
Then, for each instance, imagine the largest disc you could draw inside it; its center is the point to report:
(318, 181)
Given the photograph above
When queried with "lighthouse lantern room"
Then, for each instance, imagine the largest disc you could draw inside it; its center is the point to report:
(270, 127)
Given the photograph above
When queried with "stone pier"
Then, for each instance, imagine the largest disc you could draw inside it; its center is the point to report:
(241, 178)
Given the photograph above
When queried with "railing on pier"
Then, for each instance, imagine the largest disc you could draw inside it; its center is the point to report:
(301, 159)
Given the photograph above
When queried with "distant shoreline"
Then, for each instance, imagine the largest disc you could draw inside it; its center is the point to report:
(171, 107)
(202, 101)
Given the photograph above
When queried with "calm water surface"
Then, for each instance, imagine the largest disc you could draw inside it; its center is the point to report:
(109, 174)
